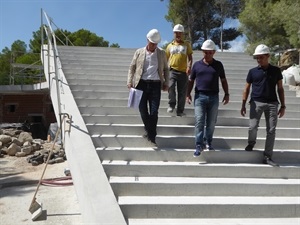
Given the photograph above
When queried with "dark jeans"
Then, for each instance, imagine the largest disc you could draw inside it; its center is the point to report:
(149, 106)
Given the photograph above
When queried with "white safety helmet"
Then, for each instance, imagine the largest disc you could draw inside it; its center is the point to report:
(178, 28)
(261, 50)
(208, 45)
(154, 36)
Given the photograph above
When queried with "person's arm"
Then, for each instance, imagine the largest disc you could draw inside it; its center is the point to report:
(131, 71)
(166, 72)
(280, 92)
(226, 91)
(245, 97)
(189, 65)
(188, 92)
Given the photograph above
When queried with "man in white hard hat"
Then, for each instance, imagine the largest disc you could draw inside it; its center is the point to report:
(206, 74)
(266, 82)
(179, 53)
(149, 72)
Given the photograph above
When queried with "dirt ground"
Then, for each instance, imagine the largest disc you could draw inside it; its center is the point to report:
(18, 184)
(10, 165)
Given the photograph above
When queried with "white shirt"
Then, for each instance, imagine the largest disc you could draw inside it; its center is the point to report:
(150, 70)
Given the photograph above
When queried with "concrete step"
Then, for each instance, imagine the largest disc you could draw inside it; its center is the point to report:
(216, 221)
(92, 102)
(112, 68)
(183, 130)
(117, 86)
(208, 207)
(130, 168)
(199, 186)
(167, 119)
(100, 94)
(189, 110)
(219, 142)
(233, 156)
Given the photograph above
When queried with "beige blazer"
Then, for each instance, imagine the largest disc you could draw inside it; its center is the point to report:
(137, 64)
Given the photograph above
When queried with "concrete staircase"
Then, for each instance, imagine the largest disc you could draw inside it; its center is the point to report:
(168, 185)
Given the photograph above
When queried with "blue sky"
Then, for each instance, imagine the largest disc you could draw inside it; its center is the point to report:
(125, 22)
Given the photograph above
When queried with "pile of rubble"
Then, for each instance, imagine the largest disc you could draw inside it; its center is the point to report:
(19, 143)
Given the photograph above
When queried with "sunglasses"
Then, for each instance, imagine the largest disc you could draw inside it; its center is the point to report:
(260, 57)
(208, 52)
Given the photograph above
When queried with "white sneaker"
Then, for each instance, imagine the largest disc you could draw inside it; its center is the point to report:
(170, 109)
(209, 147)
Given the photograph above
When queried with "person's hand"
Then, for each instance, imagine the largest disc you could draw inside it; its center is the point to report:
(225, 99)
(189, 99)
(165, 87)
(281, 112)
(129, 86)
(188, 71)
(243, 111)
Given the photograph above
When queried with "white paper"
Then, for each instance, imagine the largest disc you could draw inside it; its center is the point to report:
(134, 98)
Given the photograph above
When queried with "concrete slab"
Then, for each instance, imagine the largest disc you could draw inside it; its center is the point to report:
(18, 183)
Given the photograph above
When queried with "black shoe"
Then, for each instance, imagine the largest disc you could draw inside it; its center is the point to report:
(152, 143)
(145, 135)
(269, 161)
(249, 148)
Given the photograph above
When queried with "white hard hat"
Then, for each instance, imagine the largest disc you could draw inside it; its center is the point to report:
(153, 36)
(208, 45)
(261, 50)
(178, 28)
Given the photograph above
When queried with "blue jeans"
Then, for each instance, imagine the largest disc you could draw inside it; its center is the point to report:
(179, 79)
(270, 112)
(206, 113)
(150, 98)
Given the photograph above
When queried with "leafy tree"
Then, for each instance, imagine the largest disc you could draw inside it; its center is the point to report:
(204, 20)
(5, 58)
(227, 9)
(62, 37)
(84, 37)
(270, 22)
(19, 53)
(35, 42)
(18, 48)
(31, 73)
(286, 11)
(114, 45)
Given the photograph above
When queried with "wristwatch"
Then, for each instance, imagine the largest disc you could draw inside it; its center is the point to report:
(283, 107)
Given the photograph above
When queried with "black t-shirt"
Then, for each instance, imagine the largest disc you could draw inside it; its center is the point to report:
(207, 76)
(264, 83)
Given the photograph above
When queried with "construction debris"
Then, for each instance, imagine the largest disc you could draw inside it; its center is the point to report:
(19, 143)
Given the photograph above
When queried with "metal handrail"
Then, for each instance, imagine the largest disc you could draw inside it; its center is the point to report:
(52, 45)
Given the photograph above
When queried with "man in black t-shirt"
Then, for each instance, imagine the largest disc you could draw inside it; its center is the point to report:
(264, 79)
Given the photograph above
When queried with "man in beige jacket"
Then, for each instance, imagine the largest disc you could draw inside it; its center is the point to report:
(149, 72)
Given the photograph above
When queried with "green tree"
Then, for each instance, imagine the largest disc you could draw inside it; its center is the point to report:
(62, 37)
(21, 55)
(5, 60)
(30, 70)
(270, 22)
(19, 48)
(204, 20)
(84, 37)
(35, 42)
(286, 11)
(114, 45)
